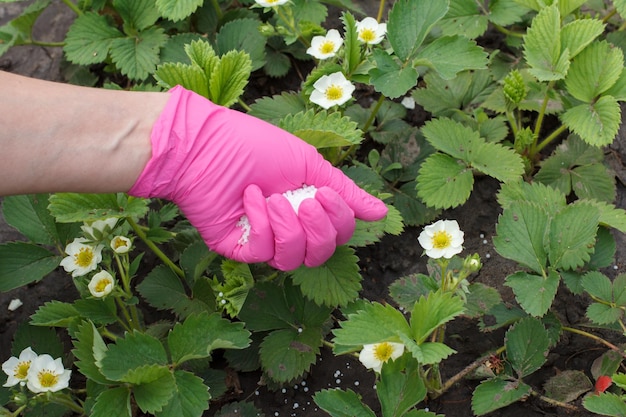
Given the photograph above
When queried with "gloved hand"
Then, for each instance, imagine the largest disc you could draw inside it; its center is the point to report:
(227, 172)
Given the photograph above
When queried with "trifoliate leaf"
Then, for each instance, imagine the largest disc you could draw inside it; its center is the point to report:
(534, 293)
(389, 77)
(594, 70)
(229, 78)
(400, 387)
(89, 39)
(450, 55)
(604, 314)
(243, 35)
(606, 403)
(54, 313)
(410, 22)
(339, 403)
(495, 160)
(526, 358)
(496, 393)
(464, 18)
(191, 396)
(23, 263)
(133, 351)
(337, 282)
(520, 235)
(29, 214)
(576, 35)
(137, 14)
(450, 137)
(374, 323)
(323, 130)
(176, 10)
(137, 56)
(72, 207)
(87, 341)
(432, 311)
(546, 59)
(272, 109)
(202, 333)
(596, 123)
(572, 235)
(189, 76)
(114, 402)
(153, 386)
(443, 182)
(286, 354)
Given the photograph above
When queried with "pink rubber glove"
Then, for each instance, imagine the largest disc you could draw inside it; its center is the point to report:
(219, 164)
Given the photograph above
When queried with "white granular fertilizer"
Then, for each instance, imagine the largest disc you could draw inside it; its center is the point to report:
(295, 198)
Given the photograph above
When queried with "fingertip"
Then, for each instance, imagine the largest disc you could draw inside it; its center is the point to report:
(339, 213)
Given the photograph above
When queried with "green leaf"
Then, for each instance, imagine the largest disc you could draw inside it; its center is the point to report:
(71, 207)
(98, 310)
(29, 214)
(596, 123)
(598, 285)
(23, 263)
(596, 69)
(443, 182)
(496, 393)
(572, 235)
(339, 403)
(604, 314)
(534, 292)
(87, 341)
(286, 354)
(133, 351)
(40, 339)
(506, 12)
(400, 387)
(176, 10)
(89, 39)
(374, 323)
(432, 311)
(243, 35)
(480, 300)
(548, 198)
(337, 282)
(153, 387)
(229, 78)
(409, 22)
(189, 76)
(406, 291)
(606, 404)
(576, 35)
(465, 19)
(200, 334)
(114, 402)
(389, 77)
(272, 109)
(352, 47)
(546, 59)
(137, 14)
(191, 397)
(427, 353)
(18, 30)
(520, 235)
(611, 216)
(568, 385)
(495, 160)
(137, 56)
(450, 55)
(450, 137)
(527, 346)
(323, 130)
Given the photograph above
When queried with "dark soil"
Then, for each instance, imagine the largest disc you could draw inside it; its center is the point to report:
(381, 264)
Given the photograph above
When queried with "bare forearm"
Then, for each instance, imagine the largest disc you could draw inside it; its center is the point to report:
(57, 137)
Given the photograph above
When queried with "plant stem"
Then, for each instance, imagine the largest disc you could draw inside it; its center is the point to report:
(243, 105)
(549, 139)
(66, 401)
(596, 338)
(373, 113)
(540, 116)
(72, 6)
(158, 252)
(381, 10)
(218, 10)
(464, 372)
(48, 44)
(552, 401)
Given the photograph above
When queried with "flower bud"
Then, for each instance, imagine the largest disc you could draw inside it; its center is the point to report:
(472, 263)
(514, 87)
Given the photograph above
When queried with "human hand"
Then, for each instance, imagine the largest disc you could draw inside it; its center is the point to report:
(228, 172)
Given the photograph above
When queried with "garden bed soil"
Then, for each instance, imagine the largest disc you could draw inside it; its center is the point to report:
(381, 264)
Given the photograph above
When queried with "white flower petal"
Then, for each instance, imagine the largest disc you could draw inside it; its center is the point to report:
(443, 238)
(101, 284)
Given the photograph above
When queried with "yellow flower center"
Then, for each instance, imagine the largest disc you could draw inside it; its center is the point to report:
(47, 378)
(21, 369)
(441, 239)
(334, 92)
(327, 47)
(383, 351)
(102, 284)
(84, 257)
(119, 243)
(367, 35)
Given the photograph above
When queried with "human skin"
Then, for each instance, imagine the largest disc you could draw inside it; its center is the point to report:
(62, 138)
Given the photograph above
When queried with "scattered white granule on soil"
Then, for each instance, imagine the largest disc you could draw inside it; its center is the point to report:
(296, 197)
(15, 304)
